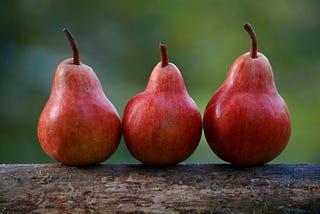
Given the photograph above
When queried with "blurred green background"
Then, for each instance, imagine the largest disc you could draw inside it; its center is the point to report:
(119, 40)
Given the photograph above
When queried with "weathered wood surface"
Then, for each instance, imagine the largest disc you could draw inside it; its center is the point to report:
(56, 188)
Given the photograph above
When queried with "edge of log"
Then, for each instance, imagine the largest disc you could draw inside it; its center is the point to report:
(184, 188)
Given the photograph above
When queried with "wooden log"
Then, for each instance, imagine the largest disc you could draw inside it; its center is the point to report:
(222, 188)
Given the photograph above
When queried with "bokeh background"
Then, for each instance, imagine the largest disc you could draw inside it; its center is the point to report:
(119, 40)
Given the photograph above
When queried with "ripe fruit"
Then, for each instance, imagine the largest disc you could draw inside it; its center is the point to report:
(162, 125)
(78, 125)
(246, 121)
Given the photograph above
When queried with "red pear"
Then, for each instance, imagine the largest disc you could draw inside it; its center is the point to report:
(246, 121)
(78, 125)
(162, 125)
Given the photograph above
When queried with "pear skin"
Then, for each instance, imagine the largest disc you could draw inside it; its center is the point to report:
(162, 125)
(78, 125)
(246, 121)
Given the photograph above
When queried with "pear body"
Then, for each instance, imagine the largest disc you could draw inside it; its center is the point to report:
(162, 125)
(246, 121)
(78, 125)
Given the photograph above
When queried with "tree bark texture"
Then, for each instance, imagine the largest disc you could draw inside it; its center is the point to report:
(202, 188)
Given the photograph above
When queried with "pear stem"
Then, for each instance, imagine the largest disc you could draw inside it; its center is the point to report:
(164, 55)
(74, 46)
(252, 34)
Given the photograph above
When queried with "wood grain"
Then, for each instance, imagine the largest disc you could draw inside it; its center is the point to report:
(222, 188)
